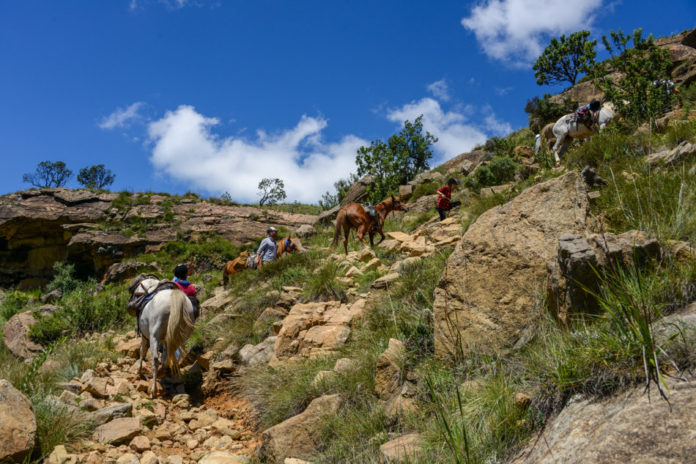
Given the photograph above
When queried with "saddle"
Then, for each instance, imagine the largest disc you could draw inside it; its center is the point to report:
(373, 214)
(251, 261)
(137, 302)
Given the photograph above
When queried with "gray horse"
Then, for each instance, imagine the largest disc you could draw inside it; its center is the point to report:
(568, 128)
(167, 319)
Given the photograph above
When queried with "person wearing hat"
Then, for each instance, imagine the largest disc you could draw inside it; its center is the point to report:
(180, 275)
(444, 195)
(268, 249)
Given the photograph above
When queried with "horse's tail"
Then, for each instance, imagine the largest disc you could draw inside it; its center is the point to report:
(339, 222)
(179, 327)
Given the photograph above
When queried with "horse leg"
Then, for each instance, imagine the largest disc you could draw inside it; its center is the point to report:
(381, 234)
(372, 238)
(560, 141)
(143, 348)
(346, 233)
(224, 276)
(361, 234)
(153, 352)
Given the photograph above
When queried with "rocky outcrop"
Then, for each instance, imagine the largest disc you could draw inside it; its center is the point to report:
(119, 272)
(298, 436)
(17, 424)
(490, 283)
(673, 156)
(631, 427)
(16, 332)
(357, 191)
(574, 274)
(40, 227)
(395, 391)
(312, 329)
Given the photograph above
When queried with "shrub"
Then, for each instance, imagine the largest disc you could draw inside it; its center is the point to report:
(322, 284)
(64, 278)
(680, 131)
(499, 170)
(427, 188)
(12, 304)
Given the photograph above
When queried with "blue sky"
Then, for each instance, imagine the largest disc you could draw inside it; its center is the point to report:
(211, 96)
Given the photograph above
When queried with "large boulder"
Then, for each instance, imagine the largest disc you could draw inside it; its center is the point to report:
(16, 332)
(313, 329)
(357, 191)
(300, 435)
(574, 274)
(630, 427)
(17, 424)
(487, 292)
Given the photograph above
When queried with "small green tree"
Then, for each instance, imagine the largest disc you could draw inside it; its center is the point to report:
(565, 58)
(397, 160)
(271, 191)
(341, 186)
(639, 89)
(95, 177)
(48, 174)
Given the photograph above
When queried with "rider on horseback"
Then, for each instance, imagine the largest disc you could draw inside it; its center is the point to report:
(587, 114)
(180, 275)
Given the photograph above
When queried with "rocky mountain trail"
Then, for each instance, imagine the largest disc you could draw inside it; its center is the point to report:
(175, 427)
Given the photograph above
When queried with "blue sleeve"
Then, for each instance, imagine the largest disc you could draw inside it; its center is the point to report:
(262, 247)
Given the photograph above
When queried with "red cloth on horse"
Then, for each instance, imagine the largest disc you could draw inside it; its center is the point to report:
(189, 290)
(443, 202)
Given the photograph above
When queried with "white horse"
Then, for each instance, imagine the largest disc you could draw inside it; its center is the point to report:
(568, 128)
(167, 319)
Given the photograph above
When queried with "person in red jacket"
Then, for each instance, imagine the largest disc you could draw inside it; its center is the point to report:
(180, 275)
(444, 195)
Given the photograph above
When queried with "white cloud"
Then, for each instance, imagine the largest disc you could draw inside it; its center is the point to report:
(439, 89)
(517, 31)
(454, 134)
(186, 148)
(121, 117)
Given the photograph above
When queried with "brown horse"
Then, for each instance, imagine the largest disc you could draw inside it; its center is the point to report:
(354, 216)
(240, 263)
(232, 267)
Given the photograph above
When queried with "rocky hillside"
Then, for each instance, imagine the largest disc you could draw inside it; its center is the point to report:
(549, 319)
(94, 230)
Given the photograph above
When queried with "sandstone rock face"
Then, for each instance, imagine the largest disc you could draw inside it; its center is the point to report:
(490, 283)
(574, 270)
(388, 375)
(17, 424)
(624, 428)
(403, 449)
(675, 155)
(299, 435)
(357, 191)
(40, 227)
(312, 329)
(16, 336)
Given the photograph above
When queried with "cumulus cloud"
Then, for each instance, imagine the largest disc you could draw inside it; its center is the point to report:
(439, 89)
(455, 134)
(517, 31)
(186, 148)
(121, 117)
